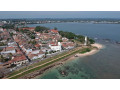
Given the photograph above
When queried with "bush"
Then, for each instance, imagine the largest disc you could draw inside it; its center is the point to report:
(85, 50)
(41, 29)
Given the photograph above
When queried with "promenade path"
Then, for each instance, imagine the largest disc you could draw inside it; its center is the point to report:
(70, 52)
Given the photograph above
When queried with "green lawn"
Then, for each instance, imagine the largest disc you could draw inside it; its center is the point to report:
(42, 62)
(85, 50)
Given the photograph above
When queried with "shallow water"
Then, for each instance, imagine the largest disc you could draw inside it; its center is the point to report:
(104, 64)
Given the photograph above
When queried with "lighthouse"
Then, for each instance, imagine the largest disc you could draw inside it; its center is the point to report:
(85, 41)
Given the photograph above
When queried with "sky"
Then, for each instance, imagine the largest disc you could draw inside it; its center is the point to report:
(59, 14)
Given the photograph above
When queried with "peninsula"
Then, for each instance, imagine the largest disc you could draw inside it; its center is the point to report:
(29, 51)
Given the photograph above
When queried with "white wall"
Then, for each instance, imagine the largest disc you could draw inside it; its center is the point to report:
(5, 52)
(35, 52)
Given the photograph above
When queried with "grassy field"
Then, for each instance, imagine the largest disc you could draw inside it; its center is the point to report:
(39, 65)
(85, 50)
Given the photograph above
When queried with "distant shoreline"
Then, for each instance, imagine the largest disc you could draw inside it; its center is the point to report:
(69, 58)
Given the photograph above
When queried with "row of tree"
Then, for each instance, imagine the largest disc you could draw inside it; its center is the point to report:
(8, 26)
(68, 35)
(71, 35)
(41, 29)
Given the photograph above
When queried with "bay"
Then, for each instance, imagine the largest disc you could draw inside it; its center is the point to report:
(103, 65)
(102, 31)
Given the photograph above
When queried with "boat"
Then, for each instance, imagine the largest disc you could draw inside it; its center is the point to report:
(76, 55)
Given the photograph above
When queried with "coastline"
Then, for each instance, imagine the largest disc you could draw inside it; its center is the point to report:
(38, 73)
(92, 52)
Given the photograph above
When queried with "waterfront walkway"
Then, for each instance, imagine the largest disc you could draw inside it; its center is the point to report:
(46, 63)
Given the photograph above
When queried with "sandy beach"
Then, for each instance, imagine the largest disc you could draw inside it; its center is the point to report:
(93, 51)
(99, 46)
(41, 71)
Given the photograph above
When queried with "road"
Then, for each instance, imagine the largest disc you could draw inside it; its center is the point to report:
(44, 63)
(20, 48)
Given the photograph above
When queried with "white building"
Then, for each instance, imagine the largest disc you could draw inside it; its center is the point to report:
(1, 29)
(85, 41)
(56, 47)
(7, 50)
(35, 51)
(12, 44)
(28, 51)
(41, 54)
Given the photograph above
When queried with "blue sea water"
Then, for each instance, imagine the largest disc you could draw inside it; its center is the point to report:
(102, 65)
(103, 31)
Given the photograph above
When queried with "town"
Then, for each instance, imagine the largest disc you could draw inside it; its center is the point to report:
(23, 46)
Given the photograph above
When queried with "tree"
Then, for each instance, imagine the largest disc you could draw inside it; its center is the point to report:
(1, 74)
(55, 28)
(17, 29)
(71, 36)
(3, 59)
(8, 26)
(11, 34)
(32, 37)
(41, 29)
(59, 40)
(68, 35)
(32, 42)
(91, 41)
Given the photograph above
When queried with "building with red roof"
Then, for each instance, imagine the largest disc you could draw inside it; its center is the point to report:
(18, 60)
(33, 56)
(54, 31)
(28, 28)
(68, 45)
(7, 50)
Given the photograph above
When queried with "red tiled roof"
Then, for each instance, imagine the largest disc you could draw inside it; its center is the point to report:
(19, 58)
(64, 45)
(18, 51)
(37, 45)
(28, 28)
(31, 55)
(41, 52)
(8, 48)
(55, 31)
(52, 43)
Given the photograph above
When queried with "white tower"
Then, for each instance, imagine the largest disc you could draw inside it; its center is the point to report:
(59, 44)
(85, 41)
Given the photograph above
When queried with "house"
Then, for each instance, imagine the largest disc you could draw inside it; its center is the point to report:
(41, 54)
(54, 31)
(45, 49)
(1, 29)
(12, 44)
(26, 50)
(18, 60)
(55, 47)
(37, 46)
(33, 56)
(28, 28)
(18, 52)
(35, 51)
(37, 33)
(7, 50)
(64, 39)
(68, 45)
